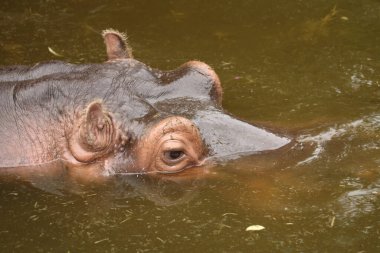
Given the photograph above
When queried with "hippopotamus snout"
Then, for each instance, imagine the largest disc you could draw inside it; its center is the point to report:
(226, 136)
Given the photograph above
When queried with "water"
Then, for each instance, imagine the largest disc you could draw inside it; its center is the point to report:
(307, 69)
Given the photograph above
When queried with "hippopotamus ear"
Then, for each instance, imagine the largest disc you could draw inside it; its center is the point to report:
(210, 80)
(117, 45)
(94, 134)
(193, 79)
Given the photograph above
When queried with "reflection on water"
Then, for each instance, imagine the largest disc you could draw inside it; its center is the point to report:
(308, 70)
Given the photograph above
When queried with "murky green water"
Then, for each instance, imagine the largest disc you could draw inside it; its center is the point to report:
(308, 69)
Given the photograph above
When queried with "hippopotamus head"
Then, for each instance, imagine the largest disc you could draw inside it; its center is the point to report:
(160, 121)
(120, 116)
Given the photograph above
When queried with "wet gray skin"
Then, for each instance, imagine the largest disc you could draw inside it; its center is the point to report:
(40, 103)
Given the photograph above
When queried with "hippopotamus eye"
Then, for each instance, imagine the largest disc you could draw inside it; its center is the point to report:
(173, 152)
(173, 156)
(172, 145)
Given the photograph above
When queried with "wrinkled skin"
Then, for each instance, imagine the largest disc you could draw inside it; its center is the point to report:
(120, 116)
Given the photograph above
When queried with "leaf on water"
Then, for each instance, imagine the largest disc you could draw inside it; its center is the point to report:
(254, 228)
(54, 52)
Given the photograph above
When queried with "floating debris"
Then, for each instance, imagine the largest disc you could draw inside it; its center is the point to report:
(161, 240)
(102, 240)
(229, 214)
(54, 52)
(332, 222)
(254, 228)
(315, 29)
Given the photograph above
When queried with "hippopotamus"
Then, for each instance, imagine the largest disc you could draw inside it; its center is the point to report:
(120, 116)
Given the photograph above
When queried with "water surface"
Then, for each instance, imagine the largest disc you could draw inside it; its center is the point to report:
(306, 69)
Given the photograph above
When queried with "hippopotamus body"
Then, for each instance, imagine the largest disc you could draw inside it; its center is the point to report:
(121, 114)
